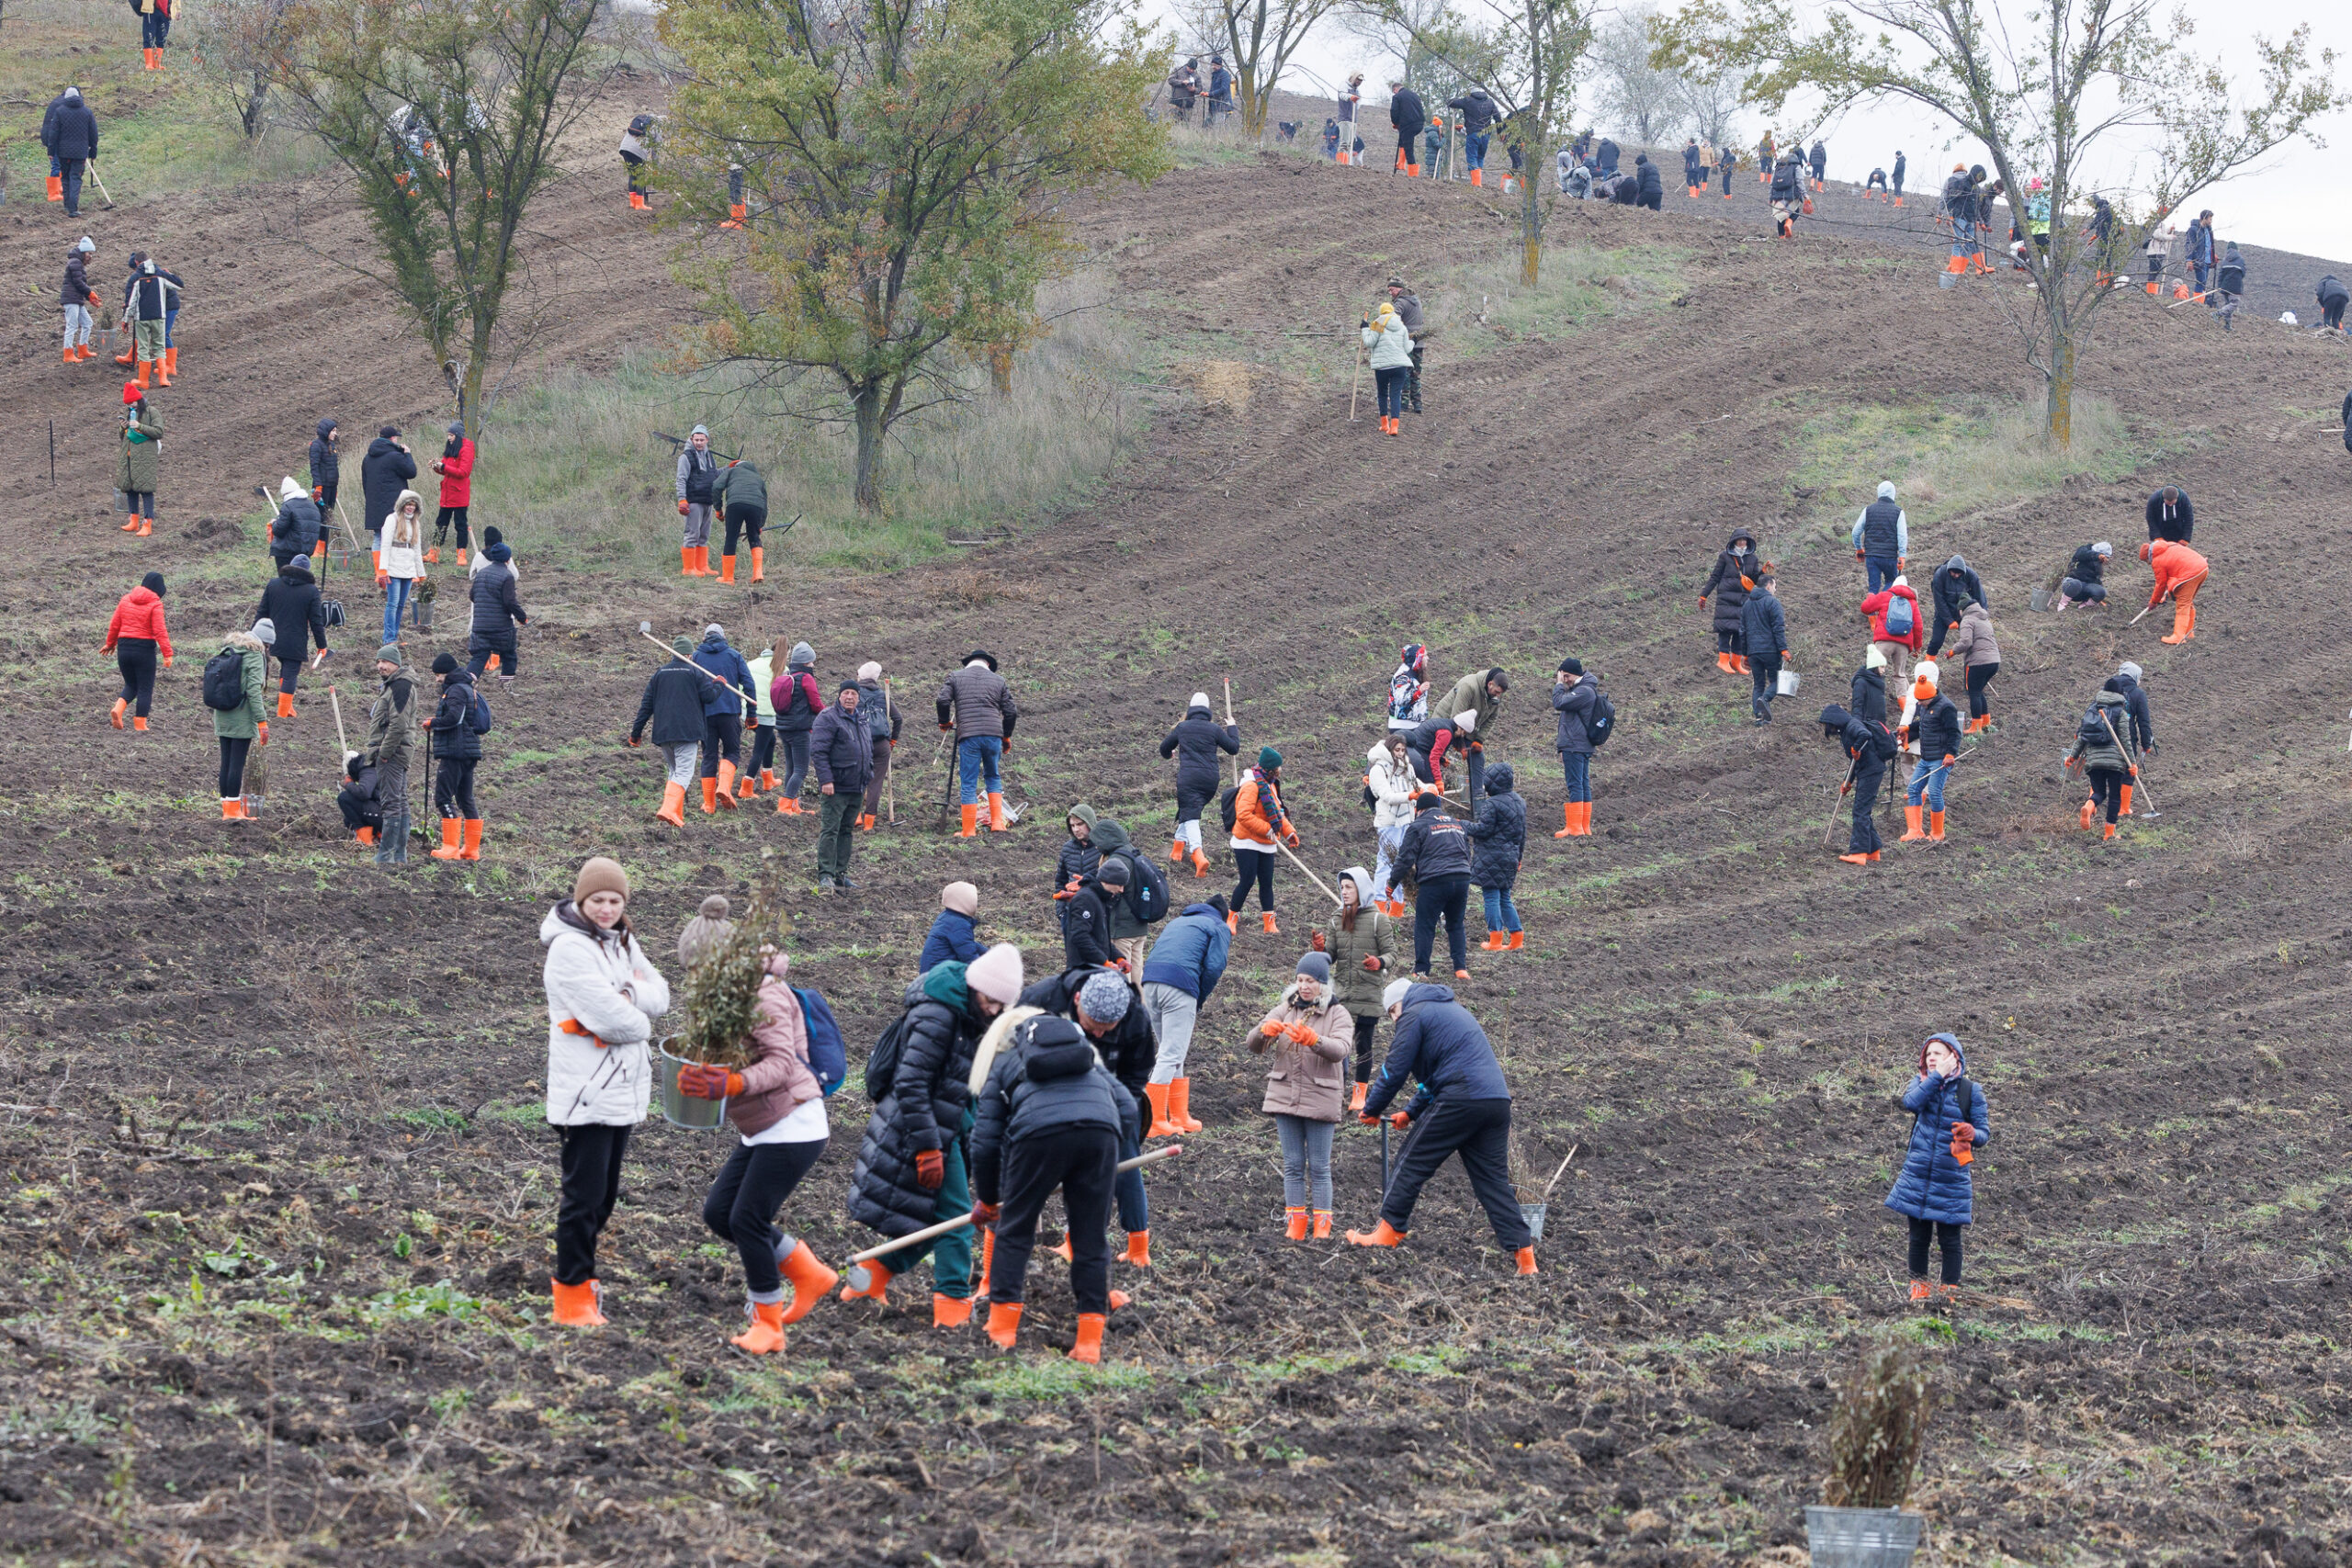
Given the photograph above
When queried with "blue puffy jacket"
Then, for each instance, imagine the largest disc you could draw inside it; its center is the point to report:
(1934, 1186)
(1190, 953)
(1440, 1046)
(951, 938)
(733, 689)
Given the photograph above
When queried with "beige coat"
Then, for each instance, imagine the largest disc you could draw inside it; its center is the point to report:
(1303, 1080)
(1973, 644)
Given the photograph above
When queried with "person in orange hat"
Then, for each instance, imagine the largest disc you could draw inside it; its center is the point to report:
(2180, 572)
(135, 468)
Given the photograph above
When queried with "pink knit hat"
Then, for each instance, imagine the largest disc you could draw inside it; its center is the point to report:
(996, 973)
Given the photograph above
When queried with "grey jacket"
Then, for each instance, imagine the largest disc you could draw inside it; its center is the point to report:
(978, 702)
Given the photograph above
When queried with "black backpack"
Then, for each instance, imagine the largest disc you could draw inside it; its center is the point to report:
(882, 1062)
(639, 124)
(224, 681)
(1224, 805)
(1146, 889)
(2092, 731)
(1601, 722)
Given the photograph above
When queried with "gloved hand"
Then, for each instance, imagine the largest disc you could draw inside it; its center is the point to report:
(1858, 554)
(1903, 563)
(264, 727)
(984, 1214)
(931, 1169)
(1478, 746)
(2135, 773)
(1290, 836)
(682, 506)
(1369, 1120)
(634, 741)
(1703, 600)
(1372, 964)
(1315, 942)
(945, 728)
(1400, 1119)
(700, 1082)
(1963, 1133)
(1120, 963)
(1949, 758)
(167, 664)
(1845, 789)
(1300, 1034)
(382, 578)
(1068, 892)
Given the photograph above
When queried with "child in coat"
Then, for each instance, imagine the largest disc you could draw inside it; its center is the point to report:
(1935, 1191)
(1308, 1034)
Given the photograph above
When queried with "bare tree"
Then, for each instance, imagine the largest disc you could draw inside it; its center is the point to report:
(233, 44)
(1257, 39)
(1636, 96)
(1709, 97)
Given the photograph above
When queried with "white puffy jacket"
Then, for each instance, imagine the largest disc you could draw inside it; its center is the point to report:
(604, 984)
(1392, 788)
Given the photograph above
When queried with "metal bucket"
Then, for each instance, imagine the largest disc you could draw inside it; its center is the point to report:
(1861, 1538)
(681, 1110)
(1533, 1215)
(1788, 683)
(2041, 598)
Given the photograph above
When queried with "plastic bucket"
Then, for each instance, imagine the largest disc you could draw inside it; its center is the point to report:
(1788, 683)
(1533, 1215)
(1861, 1538)
(681, 1110)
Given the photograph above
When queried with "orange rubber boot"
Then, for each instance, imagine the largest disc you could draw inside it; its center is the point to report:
(1569, 818)
(1294, 1224)
(1381, 1234)
(578, 1306)
(471, 850)
(1322, 1231)
(2083, 816)
(1180, 1105)
(950, 1312)
(766, 1335)
(2110, 833)
(1526, 1260)
(1935, 827)
(1266, 920)
(971, 823)
(1162, 1127)
(1200, 866)
(115, 716)
(139, 724)
(726, 783)
(1912, 832)
(673, 805)
(1176, 855)
(1355, 1100)
(685, 561)
(1004, 1324)
(810, 1281)
(451, 848)
(759, 564)
(2125, 808)
(710, 797)
(1089, 1348)
(995, 812)
(1518, 941)
(727, 569)
(1139, 1248)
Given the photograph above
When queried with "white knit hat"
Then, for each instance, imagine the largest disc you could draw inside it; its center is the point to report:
(1394, 995)
(869, 671)
(996, 973)
(1199, 700)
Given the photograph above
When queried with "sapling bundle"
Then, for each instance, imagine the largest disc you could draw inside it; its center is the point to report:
(1877, 1430)
(722, 988)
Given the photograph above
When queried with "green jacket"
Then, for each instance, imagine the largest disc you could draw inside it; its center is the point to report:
(763, 671)
(1354, 988)
(391, 722)
(2104, 752)
(740, 484)
(135, 468)
(245, 722)
(1470, 695)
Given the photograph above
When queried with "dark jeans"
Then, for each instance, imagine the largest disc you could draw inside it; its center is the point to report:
(1730, 642)
(1448, 897)
(1868, 774)
(1079, 1161)
(1881, 570)
(1127, 1187)
(2106, 790)
(1365, 1023)
(722, 737)
(836, 832)
(1413, 380)
(232, 767)
(762, 749)
(1388, 384)
(1979, 677)
(1480, 1130)
(741, 1204)
(745, 520)
(453, 796)
(1577, 767)
(1935, 638)
(481, 644)
(1766, 675)
(1257, 866)
(2088, 593)
(288, 671)
(795, 761)
(592, 1184)
(153, 28)
(1947, 1237)
(441, 521)
(1474, 789)
(70, 170)
(135, 657)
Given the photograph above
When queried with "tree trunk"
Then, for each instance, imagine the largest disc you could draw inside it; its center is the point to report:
(869, 449)
(1531, 218)
(2062, 384)
(1001, 368)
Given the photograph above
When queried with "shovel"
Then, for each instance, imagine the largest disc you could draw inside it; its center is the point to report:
(2142, 781)
(103, 196)
(856, 1276)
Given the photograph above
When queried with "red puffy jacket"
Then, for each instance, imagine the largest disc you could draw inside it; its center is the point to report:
(458, 476)
(140, 613)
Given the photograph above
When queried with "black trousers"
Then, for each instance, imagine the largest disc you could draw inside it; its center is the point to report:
(326, 503)
(232, 767)
(1936, 638)
(453, 796)
(1257, 866)
(1979, 677)
(1365, 1023)
(480, 646)
(741, 1204)
(447, 515)
(135, 657)
(1479, 1129)
(1947, 1237)
(1730, 642)
(745, 520)
(1441, 896)
(796, 759)
(2106, 790)
(1870, 771)
(763, 749)
(1080, 1161)
(592, 1184)
(722, 736)
(1765, 675)
(288, 671)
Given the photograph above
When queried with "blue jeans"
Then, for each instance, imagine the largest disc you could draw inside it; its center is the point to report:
(1880, 569)
(1135, 1214)
(1502, 915)
(1929, 776)
(1578, 765)
(396, 593)
(1474, 150)
(980, 753)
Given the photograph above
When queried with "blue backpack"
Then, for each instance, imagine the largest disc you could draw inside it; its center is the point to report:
(1902, 615)
(828, 1052)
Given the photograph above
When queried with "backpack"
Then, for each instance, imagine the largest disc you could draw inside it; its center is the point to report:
(477, 714)
(882, 1062)
(1883, 744)
(1224, 805)
(1902, 615)
(2092, 731)
(1601, 722)
(1146, 890)
(224, 681)
(828, 1052)
(639, 124)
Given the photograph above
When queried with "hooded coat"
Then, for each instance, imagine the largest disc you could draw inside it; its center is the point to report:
(138, 614)
(69, 129)
(1650, 187)
(1190, 953)
(1046, 1078)
(1933, 1185)
(778, 1079)
(1357, 989)
(1877, 605)
(672, 704)
(451, 726)
(457, 470)
(1128, 1048)
(490, 586)
(384, 472)
(326, 463)
(729, 696)
(1075, 859)
(295, 530)
(1499, 838)
(2177, 521)
(291, 602)
(243, 722)
(1951, 578)
(137, 465)
(925, 1108)
(794, 696)
(1440, 1047)
(2173, 565)
(1573, 702)
(601, 982)
(1867, 698)
(1195, 743)
(1306, 1081)
(2143, 733)
(1973, 644)
(1478, 110)
(2105, 751)
(1727, 585)
(1764, 626)
(1392, 788)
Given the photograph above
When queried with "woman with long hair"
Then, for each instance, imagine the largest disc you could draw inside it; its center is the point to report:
(403, 558)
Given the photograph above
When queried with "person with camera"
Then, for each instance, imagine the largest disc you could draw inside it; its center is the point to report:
(1936, 1191)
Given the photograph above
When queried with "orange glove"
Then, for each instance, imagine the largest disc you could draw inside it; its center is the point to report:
(382, 578)
(700, 1082)
(1400, 1119)
(1300, 1034)
(682, 506)
(931, 1169)
(1290, 836)
(1372, 964)
(984, 1214)
(167, 662)
(1315, 942)
(2135, 772)
(264, 726)
(1949, 758)
(1069, 892)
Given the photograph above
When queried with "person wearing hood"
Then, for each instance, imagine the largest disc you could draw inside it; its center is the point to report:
(1935, 1192)
(1195, 743)
(1409, 689)
(241, 729)
(298, 526)
(741, 496)
(1576, 695)
(455, 467)
(1605, 156)
(2141, 736)
(1436, 854)
(1390, 777)
(136, 637)
(673, 704)
(882, 721)
(2179, 573)
(723, 701)
(2333, 297)
(1050, 1118)
(1787, 195)
(1075, 860)
(290, 601)
(976, 705)
(2229, 284)
(1955, 578)
(1461, 1106)
(953, 936)
(795, 697)
(910, 1171)
(1479, 113)
(697, 494)
(78, 298)
(1932, 726)
(1820, 166)
(2085, 578)
(1087, 901)
(362, 817)
(1892, 613)
(1498, 840)
(1123, 868)
(604, 996)
(1258, 820)
(69, 133)
(385, 472)
(458, 720)
(1901, 168)
(1391, 359)
(151, 297)
(2103, 749)
(1728, 585)
(1178, 976)
(325, 469)
(1650, 187)
(841, 746)
(1102, 1004)
(497, 611)
(1694, 169)
(1305, 1037)
(137, 466)
(1882, 538)
(2171, 516)
(1764, 629)
(1360, 940)
(385, 751)
(1980, 655)
(1871, 746)
(775, 1101)
(402, 559)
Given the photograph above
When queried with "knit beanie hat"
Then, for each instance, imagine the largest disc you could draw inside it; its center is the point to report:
(1428, 800)
(803, 654)
(1315, 966)
(1571, 666)
(130, 393)
(996, 973)
(265, 632)
(1269, 758)
(1873, 658)
(961, 897)
(1394, 993)
(682, 646)
(869, 671)
(706, 932)
(388, 654)
(1105, 996)
(601, 874)
(2102, 548)
(444, 664)
(1198, 700)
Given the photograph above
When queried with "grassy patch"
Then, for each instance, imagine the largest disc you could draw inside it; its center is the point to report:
(1480, 306)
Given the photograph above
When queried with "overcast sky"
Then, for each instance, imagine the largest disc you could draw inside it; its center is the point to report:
(2295, 199)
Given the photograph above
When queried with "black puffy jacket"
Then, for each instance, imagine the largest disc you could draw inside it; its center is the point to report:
(1935, 730)
(672, 704)
(497, 611)
(291, 602)
(1435, 845)
(1499, 838)
(1868, 698)
(70, 131)
(1651, 183)
(295, 530)
(2088, 566)
(326, 463)
(1788, 180)
(1727, 584)
(1128, 1050)
(384, 472)
(923, 1111)
(1194, 743)
(1046, 1079)
(454, 735)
